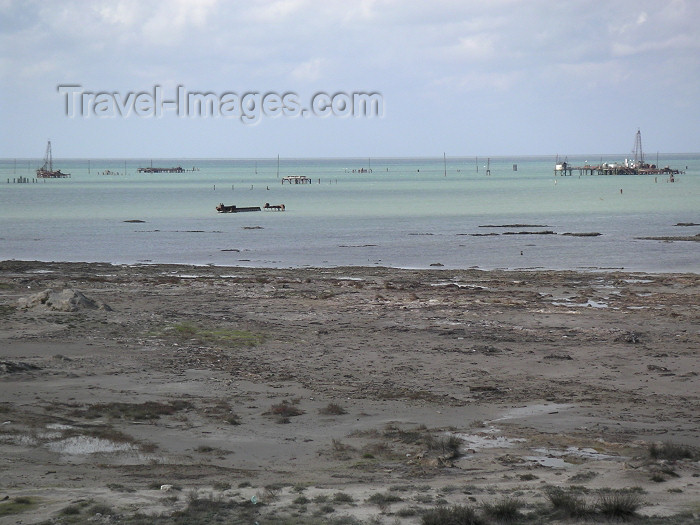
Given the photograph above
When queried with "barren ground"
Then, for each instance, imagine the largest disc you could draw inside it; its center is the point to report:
(321, 395)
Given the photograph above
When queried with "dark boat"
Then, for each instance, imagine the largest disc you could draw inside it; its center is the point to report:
(221, 208)
(47, 171)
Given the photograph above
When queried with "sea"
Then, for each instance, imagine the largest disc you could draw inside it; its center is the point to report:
(440, 212)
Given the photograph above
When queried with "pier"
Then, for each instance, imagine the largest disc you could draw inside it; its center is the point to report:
(21, 180)
(296, 179)
(151, 169)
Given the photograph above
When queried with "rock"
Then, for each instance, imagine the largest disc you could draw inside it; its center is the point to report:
(10, 367)
(629, 337)
(66, 300)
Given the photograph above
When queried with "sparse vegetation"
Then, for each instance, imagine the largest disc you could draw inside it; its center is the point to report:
(222, 485)
(506, 509)
(456, 515)
(567, 504)
(342, 497)
(527, 477)
(118, 487)
(6, 310)
(618, 504)
(383, 500)
(332, 409)
(446, 446)
(404, 436)
(230, 337)
(672, 452)
(17, 506)
(223, 410)
(134, 411)
(284, 410)
(70, 510)
(100, 508)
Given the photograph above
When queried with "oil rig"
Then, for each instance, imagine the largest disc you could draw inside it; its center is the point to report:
(633, 166)
(47, 171)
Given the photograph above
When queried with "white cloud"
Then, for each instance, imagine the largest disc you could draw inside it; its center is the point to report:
(309, 71)
(408, 50)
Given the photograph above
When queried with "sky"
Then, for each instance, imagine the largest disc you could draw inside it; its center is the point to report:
(459, 77)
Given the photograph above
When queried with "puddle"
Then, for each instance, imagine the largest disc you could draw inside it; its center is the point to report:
(532, 410)
(488, 438)
(477, 442)
(460, 285)
(22, 440)
(546, 461)
(79, 445)
(58, 426)
(590, 302)
(555, 458)
(588, 453)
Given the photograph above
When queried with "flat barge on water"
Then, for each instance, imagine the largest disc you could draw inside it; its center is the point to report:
(222, 208)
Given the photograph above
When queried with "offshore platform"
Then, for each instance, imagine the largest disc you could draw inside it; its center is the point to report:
(634, 166)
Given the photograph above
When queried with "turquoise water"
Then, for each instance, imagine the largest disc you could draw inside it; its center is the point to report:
(404, 213)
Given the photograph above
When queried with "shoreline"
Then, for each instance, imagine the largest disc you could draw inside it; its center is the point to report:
(434, 267)
(145, 388)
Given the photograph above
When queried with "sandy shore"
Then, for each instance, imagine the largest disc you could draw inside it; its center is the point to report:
(141, 389)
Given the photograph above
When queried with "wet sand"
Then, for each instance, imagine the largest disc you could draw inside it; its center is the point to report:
(157, 382)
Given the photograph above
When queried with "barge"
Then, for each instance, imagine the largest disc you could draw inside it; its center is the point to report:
(222, 208)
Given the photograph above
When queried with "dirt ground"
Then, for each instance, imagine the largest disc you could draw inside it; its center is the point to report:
(374, 393)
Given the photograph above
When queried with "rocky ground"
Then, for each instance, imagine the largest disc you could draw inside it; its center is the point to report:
(172, 394)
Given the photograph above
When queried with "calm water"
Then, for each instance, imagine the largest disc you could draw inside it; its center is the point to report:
(404, 213)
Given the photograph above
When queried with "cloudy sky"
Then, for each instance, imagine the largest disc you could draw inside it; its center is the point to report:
(464, 77)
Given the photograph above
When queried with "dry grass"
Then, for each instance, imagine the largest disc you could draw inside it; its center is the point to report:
(672, 452)
(616, 504)
(332, 409)
(283, 411)
(147, 410)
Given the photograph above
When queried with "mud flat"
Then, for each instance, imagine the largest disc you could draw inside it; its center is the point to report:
(173, 394)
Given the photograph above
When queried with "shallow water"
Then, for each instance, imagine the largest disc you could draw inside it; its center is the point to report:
(415, 213)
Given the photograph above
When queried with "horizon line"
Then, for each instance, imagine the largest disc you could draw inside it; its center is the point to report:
(365, 157)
